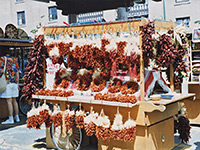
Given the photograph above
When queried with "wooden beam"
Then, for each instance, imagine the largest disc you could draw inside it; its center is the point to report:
(113, 27)
(16, 44)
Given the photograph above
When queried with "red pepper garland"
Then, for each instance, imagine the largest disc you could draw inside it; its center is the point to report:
(68, 118)
(148, 42)
(115, 85)
(34, 73)
(129, 129)
(103, 127)
(89, 123)
(56, 117)
(80, 114)
(182, 124)
(167, 54)
(184, 129)
(117, 127)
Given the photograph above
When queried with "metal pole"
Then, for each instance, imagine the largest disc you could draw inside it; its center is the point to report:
(164, 15)
(122, 14)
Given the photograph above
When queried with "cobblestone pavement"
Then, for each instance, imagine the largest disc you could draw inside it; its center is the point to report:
(18, 137)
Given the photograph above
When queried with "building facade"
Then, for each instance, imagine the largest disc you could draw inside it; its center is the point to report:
(179, 11)
(29, 14)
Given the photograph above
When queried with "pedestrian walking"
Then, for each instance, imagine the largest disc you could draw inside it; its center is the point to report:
(12, 89)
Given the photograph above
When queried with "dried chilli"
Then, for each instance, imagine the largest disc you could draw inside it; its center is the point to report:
(117, 127)
(89, 123)
(68, 118)
(80, 118)
(103, 127)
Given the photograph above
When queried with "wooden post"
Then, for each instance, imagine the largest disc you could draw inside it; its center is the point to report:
(171, 78)
(141, 69)
(44, 77)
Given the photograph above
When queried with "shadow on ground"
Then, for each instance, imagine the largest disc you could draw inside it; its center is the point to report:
(22, 122)
(40, 143)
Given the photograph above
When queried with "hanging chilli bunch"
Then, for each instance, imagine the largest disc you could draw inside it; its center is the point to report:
(148, 42)
(171, 53)
(89, 56)
(180, 38)
(37, 116)
(182, 124)
(62, 79)
(57, 51)
(166, 52)
(84, 80)
(103, 127)
(56, 116)
(89, 122)
(34, 73)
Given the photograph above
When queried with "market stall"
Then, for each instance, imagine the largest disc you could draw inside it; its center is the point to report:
(106, 76)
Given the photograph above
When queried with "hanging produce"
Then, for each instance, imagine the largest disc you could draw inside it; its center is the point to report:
(114, 85)
(80, 114)
(178, 38)
(89, 123)
(98, 83)
(44, 115)
(68, 118)
(148, 42)
(62, 79)
(32, 118)
(34, 73)
(117, 127)
(103, 127)
(182, 124)
(129, 129)
(56, 117)
(84, 79)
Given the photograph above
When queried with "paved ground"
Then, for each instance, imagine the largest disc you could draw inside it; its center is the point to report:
(18, 137)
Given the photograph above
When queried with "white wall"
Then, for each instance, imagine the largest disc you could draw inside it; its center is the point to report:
(176, 10)
(33, 12)
(155, 10)
(5, 11)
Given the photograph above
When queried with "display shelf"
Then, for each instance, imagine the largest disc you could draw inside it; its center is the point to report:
(177, 97)
(196, 50)
(195, 61)
(84, 99)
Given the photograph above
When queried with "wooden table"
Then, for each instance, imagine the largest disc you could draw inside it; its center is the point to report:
(154, 119)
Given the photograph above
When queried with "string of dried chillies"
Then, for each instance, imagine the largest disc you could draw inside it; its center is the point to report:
(34, 73)
(148, 42)
(183, 128)
(167, 54)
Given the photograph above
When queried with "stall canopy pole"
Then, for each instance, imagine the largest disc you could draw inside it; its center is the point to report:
(141, 69)
(171, 78)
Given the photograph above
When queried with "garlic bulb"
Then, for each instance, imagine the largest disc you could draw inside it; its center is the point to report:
(82, 71)
(54, 51)
(103, 120)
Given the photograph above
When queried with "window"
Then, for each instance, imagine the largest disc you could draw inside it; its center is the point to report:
(19, 0)
(180, 1)
(52, 13)
(21, 18)
(185, 21)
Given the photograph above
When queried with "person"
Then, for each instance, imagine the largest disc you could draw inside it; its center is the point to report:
(12, 88)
